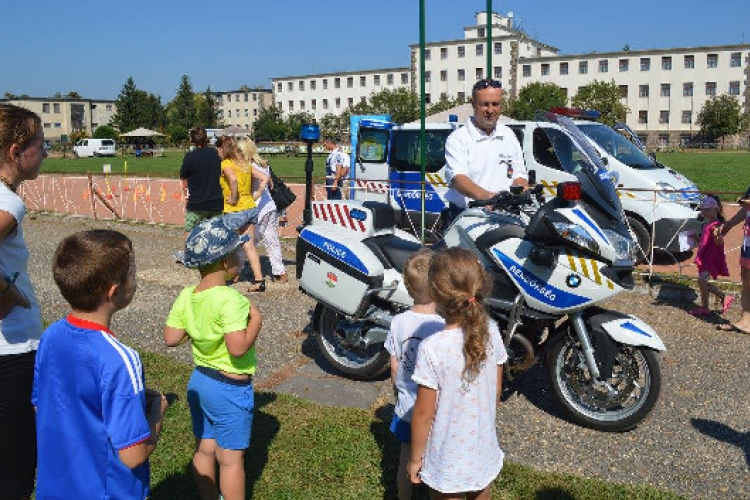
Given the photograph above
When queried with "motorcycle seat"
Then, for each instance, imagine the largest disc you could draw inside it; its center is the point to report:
(392, 251)
(383, 215)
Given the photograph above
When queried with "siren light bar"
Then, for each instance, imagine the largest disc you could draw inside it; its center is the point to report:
(581, 114)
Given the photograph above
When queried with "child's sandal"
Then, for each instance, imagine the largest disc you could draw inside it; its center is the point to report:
(727, 303)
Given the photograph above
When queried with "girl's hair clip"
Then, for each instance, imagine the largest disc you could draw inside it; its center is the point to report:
(472, 300)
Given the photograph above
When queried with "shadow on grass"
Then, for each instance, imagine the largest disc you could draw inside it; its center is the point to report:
(390, 449)
(553, 494)
(265, 429)
(724, 433)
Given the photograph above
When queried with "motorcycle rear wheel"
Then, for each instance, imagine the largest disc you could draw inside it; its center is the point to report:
(361, 364)
(635, 380)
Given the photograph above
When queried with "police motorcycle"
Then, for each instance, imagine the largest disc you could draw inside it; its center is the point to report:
(551, 264)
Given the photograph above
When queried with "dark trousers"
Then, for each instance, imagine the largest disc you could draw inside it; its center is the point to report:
(450, 214)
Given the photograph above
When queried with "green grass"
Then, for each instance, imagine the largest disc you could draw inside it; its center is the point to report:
(288, 167)
(726, 171)
(301, 450)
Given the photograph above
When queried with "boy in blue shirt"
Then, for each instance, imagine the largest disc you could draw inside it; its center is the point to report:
(97, 424)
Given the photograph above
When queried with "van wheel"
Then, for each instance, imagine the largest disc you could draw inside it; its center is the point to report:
(642, 239)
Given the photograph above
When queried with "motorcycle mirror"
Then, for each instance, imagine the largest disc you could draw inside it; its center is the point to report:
(516, 189)
(532, 177)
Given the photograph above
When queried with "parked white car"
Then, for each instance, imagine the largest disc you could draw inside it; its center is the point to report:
(95, 147)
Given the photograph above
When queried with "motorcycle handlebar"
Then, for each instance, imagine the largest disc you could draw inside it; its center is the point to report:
(507, 199)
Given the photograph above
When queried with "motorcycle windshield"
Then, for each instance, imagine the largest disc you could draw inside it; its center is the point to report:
(578, 157)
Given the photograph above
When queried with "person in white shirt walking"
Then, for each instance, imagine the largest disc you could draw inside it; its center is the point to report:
(484, 157)
(337, 168)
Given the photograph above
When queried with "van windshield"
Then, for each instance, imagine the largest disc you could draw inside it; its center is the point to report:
(618, 146)
(405, 150)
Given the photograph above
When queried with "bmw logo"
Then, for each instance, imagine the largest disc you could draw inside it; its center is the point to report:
(573, 281)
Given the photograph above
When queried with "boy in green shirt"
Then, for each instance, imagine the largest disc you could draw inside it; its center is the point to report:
(222, 326)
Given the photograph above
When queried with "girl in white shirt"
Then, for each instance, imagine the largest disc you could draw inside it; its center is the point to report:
(454, 446)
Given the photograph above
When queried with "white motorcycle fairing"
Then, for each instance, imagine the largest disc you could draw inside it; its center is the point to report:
(628, 329)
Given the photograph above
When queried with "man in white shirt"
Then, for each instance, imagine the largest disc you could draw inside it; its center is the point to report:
(483, 157)
(337, 168)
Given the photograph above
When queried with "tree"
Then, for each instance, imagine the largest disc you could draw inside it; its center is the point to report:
(206, 110)
(270, 125)
(534, 97)
(401, 103)
(105, 132)
(604, 97)
(73, 95)
(177, 134)
(334, 126)
(720, 116)
(626, 47)
(294, 122)
(127, 104)
(182, 107)
(444, 104)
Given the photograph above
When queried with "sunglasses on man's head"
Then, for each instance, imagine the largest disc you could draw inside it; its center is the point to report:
(483, 84)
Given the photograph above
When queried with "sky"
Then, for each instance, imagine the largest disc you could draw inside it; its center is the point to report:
(92, 47)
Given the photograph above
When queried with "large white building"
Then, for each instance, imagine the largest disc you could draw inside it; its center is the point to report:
(664, 89)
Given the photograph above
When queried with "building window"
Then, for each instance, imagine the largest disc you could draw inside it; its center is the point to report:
(376, 79)
(603, 66)
(247, 111)
(545, 69)
(350, 82)
(404, 78)
(687, 89)
(427, 55)
(478, 74)
(663, 116)
(350, 102)
(247, 98)
(462, 96)
(563, 68)
(734, 88)
(498, 72)
(362, 81)
(444, 76)
(461, 51)
(735, 60)
(643, 91)
(624, 91)
(498, 47)
(289, 88)
(687, 117)
(56, 107)
(338, 103)
(624, 65)
(237, 98)
(663, 140)
(389, 79)
(427, 99)
(645, 63)
(325, 103)
(302, 105)
(461, 75)
(229, 112)
(291, 108)
(45, 107)
(325, 83)
(689, 62)
(443, 95)
(337, 83)
(643, 117)
(58, 125)
(666, 90)
(481, 32)
(278, 89)
(712, 61)
(428, 76)
(666, 63)
(444, 53)
(480, 49)
(711, 88)
(220, 98)
(312, 87)
(301, 85)
(684, 140)
(47, 125)
(583, 67)
(255, 111)
(527, 70)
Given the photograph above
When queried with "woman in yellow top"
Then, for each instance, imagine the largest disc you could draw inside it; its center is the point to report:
(240, 207)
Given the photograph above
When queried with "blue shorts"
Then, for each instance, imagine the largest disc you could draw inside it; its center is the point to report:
(333, 194)
(237, 220)
(221, 408)
(401, 429)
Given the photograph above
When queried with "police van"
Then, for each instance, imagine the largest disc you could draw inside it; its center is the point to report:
(656, 201)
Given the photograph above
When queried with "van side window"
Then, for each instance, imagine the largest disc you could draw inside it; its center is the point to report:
(406, 155)
(544, 153)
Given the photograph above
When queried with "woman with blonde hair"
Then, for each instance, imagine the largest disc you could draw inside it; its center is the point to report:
(240, 205)
(21, 155)
(267, 228)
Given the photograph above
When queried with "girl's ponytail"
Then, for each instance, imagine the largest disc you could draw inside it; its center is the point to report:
(458, 285)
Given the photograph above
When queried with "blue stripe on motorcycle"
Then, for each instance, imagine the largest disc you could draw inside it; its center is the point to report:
(630, 326)
(589, 222)
(334, 249)
(539, 288)
(407, 192)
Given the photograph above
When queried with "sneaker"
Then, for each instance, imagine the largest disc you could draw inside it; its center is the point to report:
(700, 312)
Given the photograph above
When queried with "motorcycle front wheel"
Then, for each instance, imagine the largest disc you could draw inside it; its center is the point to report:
(626, 399)
(352, 358)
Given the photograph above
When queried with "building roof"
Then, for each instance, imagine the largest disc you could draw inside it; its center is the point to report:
(637, 53)
(241, 91)
(55, 99)
(342, 73)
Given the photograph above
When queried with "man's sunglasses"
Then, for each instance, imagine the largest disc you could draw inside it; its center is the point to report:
(483, 84)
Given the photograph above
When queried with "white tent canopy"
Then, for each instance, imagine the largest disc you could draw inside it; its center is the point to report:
(142, 132)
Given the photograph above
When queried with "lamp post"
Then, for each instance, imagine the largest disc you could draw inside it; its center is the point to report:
(309, 133)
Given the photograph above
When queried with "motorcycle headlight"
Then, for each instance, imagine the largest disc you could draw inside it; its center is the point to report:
(624, 245)
(576, 235)
(669, 192)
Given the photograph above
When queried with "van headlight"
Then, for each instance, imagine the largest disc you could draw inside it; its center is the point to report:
(624, 245)
(668, 192)
(576, 235)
